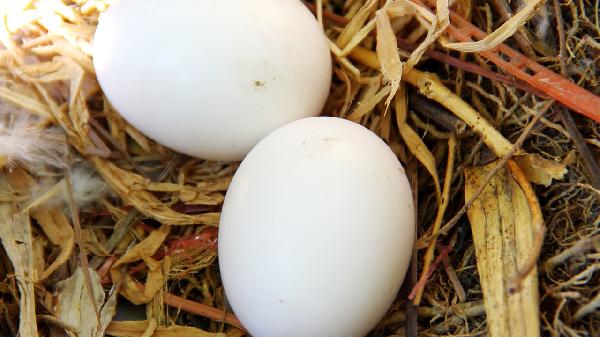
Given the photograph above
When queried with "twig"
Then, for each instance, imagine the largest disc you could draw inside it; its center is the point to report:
(201, 309)
(562, 51)
(78, 237)
(197, 308)
(440, 115)
(445, 251)
(412, 328)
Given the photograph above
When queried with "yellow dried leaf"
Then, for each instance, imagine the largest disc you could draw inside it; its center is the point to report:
(142, 251)
(15, 234)
(137, 328)
(368, 104)
(539, 170)
(414, 143)
(503, 234)
(387, 51)
(55, 225)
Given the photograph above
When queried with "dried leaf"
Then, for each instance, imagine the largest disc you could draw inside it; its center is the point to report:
(137, 329)
(15, 233)
(368, 104)
(55, 225)
(503, 234)
(75, 308)
(387, 51)
(142, 251)
(539, 170)
(414, 143)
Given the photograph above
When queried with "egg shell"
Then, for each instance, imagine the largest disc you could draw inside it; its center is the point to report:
(316, 231)
(210, 78)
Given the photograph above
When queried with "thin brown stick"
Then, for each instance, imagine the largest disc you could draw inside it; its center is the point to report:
(412, 327)
(201, 310)
(437, 113)
(562, 45)
(445, 251)
(85, 266)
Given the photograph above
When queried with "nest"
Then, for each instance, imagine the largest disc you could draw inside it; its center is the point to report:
(89, 205)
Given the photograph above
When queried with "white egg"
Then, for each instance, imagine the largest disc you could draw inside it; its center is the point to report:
(210, 78)
(316, 231)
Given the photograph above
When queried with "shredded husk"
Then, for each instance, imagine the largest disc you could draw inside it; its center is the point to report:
(149, 233)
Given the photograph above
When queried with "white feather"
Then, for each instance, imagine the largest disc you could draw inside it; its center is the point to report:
(87, 186)
(22, 141)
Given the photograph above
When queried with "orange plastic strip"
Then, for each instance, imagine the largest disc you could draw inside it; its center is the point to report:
(561, 89)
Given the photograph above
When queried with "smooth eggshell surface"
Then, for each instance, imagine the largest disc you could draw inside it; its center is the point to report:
(316, 231)
(210, 78)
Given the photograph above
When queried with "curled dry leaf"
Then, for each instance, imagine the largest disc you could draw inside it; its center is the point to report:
(540, 170)
(387, 51)
(55, 225)
(16, 237)
(142, 251)
(75, 308)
